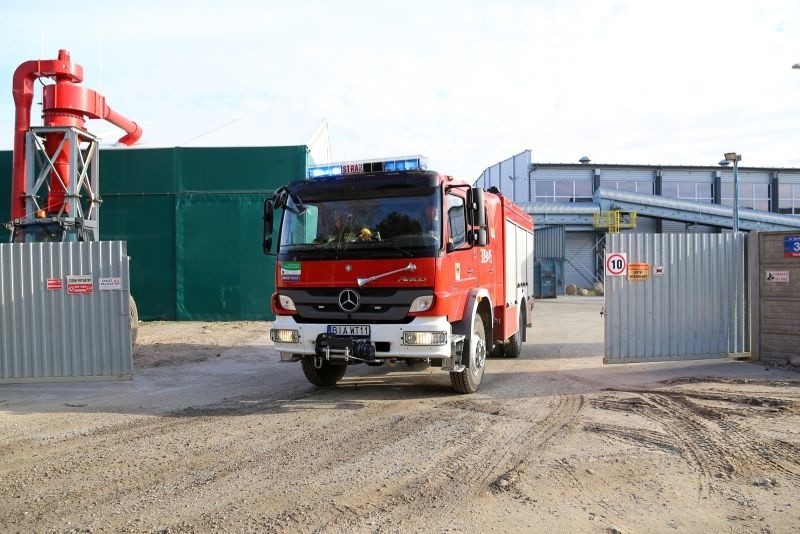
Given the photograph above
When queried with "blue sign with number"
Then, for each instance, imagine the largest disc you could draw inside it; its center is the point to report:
(791, 246)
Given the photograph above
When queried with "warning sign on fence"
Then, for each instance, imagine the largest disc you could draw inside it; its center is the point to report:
(54, 284)
(79, 285)
(638, 271)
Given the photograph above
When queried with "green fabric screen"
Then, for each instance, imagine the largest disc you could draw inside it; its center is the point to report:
(192, 221)
(223, 272)
(147, 223)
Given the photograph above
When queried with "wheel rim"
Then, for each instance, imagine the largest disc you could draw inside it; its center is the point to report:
(479, 359)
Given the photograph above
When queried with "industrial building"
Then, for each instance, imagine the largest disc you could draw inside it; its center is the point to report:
(575, 204)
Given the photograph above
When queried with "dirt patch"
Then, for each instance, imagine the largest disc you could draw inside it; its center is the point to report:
(174, 343)
(215, 434)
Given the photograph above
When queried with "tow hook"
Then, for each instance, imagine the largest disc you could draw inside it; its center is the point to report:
(343, 348)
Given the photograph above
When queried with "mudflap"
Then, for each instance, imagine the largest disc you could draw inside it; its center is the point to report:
(465, 325)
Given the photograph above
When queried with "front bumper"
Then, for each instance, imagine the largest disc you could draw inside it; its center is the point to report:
(386, 338)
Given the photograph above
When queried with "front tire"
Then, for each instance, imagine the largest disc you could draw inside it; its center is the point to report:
(326, 376)
(469, 380)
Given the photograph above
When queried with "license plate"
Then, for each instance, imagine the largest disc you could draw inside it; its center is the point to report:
(357, 330)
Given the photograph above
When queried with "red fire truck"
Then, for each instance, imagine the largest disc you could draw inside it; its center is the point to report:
(384, 261)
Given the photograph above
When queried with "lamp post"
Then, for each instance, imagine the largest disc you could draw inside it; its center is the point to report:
(735, 158)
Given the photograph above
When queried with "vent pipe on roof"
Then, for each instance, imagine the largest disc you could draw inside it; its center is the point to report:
(585, 160)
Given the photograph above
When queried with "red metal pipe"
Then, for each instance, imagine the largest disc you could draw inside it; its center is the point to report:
(64, 104)
(62, 70)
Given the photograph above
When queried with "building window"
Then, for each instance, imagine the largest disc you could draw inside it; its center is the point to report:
(634, 186)
(543, 190)
(562, 191)
(694, 191)
(751, 196)
(583, 190)
(565, 189)
(789, 199)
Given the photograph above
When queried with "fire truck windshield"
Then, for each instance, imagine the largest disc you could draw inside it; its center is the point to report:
(385, 226)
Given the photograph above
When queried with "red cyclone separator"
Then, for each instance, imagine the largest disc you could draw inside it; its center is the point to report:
(64, 104)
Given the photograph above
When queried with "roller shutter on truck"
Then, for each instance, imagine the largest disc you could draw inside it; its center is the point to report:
(519, 263)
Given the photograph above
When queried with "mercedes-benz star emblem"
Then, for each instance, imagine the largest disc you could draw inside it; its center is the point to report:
(348, 300)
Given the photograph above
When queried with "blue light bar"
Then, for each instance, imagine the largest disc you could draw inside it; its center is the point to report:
(417, 163)
(319, 171)
(347, 168)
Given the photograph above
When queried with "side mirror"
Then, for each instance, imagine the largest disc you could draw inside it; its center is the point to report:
(269, 216)
(477, 217)
(478, 208)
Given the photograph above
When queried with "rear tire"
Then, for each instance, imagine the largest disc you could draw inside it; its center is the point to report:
(328, 375)
(469, 380)
(514, 346)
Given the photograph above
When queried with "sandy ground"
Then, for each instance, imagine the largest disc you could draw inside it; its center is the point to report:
(215, 434)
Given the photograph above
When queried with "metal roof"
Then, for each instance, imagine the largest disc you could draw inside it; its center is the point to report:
(535, 166)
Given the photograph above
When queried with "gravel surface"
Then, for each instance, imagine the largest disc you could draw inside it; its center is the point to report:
(215, 434)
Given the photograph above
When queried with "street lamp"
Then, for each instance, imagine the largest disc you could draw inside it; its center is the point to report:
(796, 66)
(735, 158)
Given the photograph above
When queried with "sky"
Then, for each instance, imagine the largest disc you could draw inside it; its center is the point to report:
(466, 83)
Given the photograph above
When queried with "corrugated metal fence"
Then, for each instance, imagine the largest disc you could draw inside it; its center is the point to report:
(684, 298)
(64, 311)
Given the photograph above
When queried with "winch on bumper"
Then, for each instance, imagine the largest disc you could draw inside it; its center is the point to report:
(423, 338)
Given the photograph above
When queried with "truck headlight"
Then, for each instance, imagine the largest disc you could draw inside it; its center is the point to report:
(424, 338)
(422, 303)
(284, 336)
(286, 302)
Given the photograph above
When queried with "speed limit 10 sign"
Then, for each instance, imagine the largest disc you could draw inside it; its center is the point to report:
(616, 263)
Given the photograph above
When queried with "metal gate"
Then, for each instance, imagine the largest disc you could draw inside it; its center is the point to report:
(675, 297)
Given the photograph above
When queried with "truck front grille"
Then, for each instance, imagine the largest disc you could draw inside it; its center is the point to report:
(375, 305)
